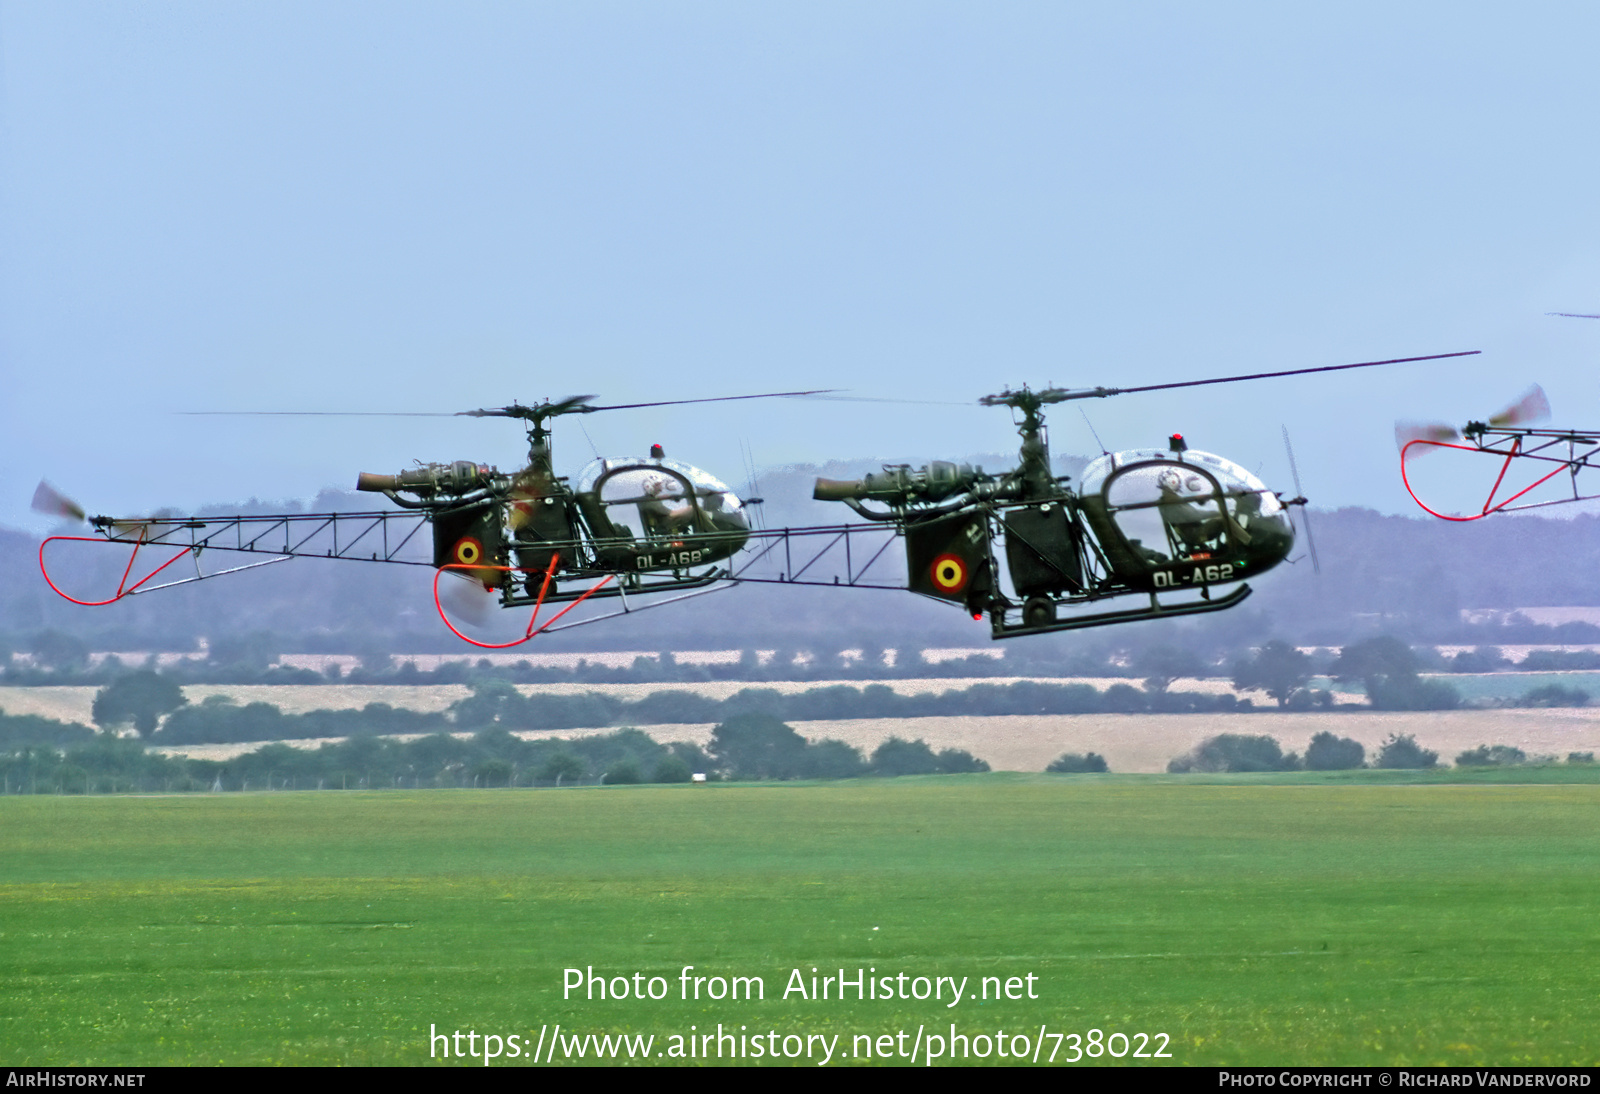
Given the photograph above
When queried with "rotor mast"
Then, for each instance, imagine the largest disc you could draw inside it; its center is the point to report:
(540, 461)
(1034, 454)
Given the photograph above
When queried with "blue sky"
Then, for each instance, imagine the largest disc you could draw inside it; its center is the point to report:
(418, 207)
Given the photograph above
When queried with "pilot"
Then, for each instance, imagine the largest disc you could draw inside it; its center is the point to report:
(1192, 525)
(659, 517)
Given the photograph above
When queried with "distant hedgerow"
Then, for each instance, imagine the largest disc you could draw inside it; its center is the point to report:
(1235, 752)
(1329, 753)
(1492, 756)
(1554, 695)
(1073, 763)
(1402, 752)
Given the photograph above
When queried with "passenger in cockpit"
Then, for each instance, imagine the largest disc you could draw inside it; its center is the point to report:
(713, 518)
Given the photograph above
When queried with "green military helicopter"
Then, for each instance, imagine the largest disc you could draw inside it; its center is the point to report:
(628, 526)
(1168, 525)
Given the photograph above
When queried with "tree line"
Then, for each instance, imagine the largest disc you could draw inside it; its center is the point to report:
(1237, 753)
(746, 747)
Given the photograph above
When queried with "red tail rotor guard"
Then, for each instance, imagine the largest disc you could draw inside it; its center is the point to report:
(123, 588)
(1489, 505)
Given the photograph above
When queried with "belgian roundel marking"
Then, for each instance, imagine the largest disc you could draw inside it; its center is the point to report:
(468, 551)
(949, 573)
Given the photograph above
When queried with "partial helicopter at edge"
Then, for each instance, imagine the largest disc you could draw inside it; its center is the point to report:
(1146, 522)
(1510, 440)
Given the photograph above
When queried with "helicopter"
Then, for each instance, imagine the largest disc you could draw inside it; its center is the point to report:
(1507, 437)
(1162, 523)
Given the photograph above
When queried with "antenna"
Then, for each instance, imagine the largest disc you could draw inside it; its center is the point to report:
(1103, 450)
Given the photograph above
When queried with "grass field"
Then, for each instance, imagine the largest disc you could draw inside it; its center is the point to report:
(1349, 919)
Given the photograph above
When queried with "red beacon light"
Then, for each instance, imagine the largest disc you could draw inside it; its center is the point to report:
(1176, 443)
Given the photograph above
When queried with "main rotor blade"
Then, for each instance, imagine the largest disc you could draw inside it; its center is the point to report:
(719, 399)
(1573, 314)
(538, 412)
(829, 398)
(1101, 392)
(318, 413)
(575, 405)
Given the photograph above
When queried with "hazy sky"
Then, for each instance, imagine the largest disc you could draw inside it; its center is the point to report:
(415, 207)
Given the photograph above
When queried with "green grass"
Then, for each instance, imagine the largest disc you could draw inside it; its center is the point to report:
(1255, 920)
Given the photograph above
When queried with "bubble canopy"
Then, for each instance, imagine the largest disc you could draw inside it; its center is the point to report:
(1157, 509)
(656, 496)
(1230, 476)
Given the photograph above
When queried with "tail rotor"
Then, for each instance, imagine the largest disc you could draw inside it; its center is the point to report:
(47, 499)
(1531, 406)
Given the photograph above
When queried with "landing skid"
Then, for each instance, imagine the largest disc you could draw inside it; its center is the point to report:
(632, 586)
(999, 628)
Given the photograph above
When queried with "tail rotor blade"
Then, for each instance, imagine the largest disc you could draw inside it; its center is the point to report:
(752, 497)
(47, 499)
(1532, 407)
(1311, 541)
(468, 600)
(1305, 513)
(1407, 432)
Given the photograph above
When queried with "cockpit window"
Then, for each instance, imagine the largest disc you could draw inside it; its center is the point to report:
(658, 498)
(1201, 507)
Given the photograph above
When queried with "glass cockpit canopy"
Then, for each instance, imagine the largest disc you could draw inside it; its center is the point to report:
(656, 496)
(1230, 476)
(1167, 505)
